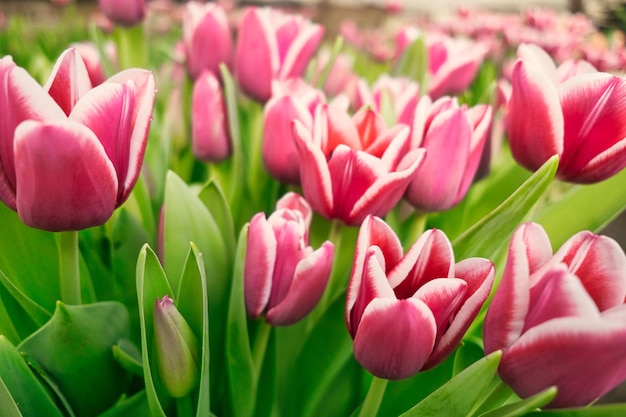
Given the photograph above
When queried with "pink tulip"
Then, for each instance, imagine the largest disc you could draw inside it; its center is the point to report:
(583, 119)
(284, 278)
(210, 138)
(272, 45)
(559, 319)
(402, 95)
(207, 38)
(90, 55)
(124, 12)
(350, 167)
(454, 138)
(408, 312)
(69, 155)
(292, 100)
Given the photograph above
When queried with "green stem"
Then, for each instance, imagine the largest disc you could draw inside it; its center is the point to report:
(416, 226)
(260, 345)
(69, 272)
(184, 406)
(374, 397)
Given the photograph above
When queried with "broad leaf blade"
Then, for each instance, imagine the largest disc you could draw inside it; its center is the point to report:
(523, 407)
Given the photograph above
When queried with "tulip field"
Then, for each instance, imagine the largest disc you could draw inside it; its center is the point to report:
(214, 209)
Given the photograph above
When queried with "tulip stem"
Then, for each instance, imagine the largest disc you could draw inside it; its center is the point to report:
(69, 272)
(184, 406)
(374, 397)
(416, 226)
(260, 345)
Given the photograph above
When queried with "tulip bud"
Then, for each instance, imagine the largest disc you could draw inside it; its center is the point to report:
(124, 12)
(177, 351)
(210, 136)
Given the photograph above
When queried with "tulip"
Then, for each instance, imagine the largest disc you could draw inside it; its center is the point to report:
(90, 54)
(454, 138)
(583, 119)
(207, 38)
(401, 93)
(408, 312)
(68, 155)
(292, 100)
(177, 349)
(559, 319)
(284, 278)
(210, 138)
(272, 45)
(350, 167)
(124, 12)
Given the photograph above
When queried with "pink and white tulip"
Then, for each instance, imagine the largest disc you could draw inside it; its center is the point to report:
(284, 277)
(210, 137)
(559, 318)
(124, 12)
(454, 138)
(272, 45)
(408, 312)
(351, 167)
(207, 38)
(582, 119)
(70, 155)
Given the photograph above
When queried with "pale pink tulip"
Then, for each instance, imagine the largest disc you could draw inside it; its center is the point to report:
(284, 277)
(272, 45)
(124, 12)
(408, 312)
(559, 319)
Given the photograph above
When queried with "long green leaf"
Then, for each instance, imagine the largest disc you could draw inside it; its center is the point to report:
(215, 201)
(523, 407)
(612, 410)
(7, 403)
(491, 233)
(459, 395)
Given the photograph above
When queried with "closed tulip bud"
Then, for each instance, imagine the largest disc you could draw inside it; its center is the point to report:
(581, 119)
(454, 138)
(272, 45)
(351, 167)
(210, 137)
(408, 312)
(177, 349)
(559, 318)
(207, 38)
(124, 12)
(284, 277)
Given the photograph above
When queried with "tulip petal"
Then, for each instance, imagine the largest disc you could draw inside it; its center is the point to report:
(370, 126)
(306, 289)
(478, 274)
(594, 123)
(584, 358)
(534, 119)
(69, 80)
(256, 54)
(600, 264)
(528, 250)
(339, 129)
(210, 138)
(301, 50)
(259, 265)
(443, 296)
(430, 257)
(314, 173)
(66, 181)
(395, 337)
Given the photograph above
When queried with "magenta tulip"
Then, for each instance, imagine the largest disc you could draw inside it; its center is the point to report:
(454, 138)
(207, 38)
(351, 167)
(408, 312)
(583, 119)
(124, 12)
(272, 45)
(559, 319)
(90, 54)
(292, 100)
(210, 137)
(68, 155)
(284, 278)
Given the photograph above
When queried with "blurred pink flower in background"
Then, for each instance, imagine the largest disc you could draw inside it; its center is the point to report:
(124, 12)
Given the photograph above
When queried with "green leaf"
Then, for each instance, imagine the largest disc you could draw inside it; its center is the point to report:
(242, 379)
(75, 349)
(7, 404)
(487, 237)
(414, 63)
(584, 207)
(523, 407)
(129, 357)
(334, 53)
(34, 310)
(23, 388)
(215, 201)
(151, 284)
(611, 410)
(135, 406)
(193, 305)
(459, 395)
